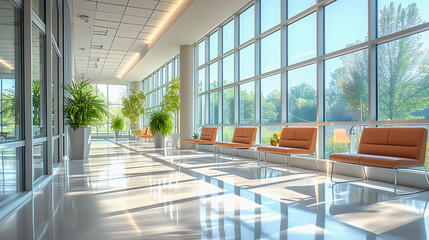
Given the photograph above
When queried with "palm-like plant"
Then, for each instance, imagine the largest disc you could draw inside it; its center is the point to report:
(118, 123)
(83, 108)
(161, 121)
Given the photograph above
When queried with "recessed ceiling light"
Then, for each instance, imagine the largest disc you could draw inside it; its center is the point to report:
(84, 18)
(102, 32)
(82, 49)
(94, 59)
(96, 46)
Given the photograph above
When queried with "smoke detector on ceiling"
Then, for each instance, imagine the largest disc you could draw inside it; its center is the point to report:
(84, 18)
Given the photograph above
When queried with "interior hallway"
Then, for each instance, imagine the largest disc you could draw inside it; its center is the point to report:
(128, 190)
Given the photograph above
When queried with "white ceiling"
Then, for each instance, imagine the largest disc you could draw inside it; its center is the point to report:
(196, 20)
(126, 27)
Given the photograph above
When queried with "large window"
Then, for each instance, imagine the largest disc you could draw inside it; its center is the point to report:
(403, 78)
(302, 94)
(112, 96)
(11, 99)
(39, 82)
(336, 65)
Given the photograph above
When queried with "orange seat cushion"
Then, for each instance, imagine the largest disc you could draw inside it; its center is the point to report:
(199, 141)
(233, 145)
(283, 150)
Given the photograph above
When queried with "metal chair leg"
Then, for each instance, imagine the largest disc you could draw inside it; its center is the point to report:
(288, 162)
(413, 192)
(332, 175)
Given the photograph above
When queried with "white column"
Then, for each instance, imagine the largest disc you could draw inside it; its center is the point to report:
(186, 94)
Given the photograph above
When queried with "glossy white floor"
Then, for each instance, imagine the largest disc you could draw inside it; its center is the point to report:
(128, 190)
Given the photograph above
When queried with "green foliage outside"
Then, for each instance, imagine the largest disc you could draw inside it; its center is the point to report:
(133, 106)
(171, 102)
(118, 123)
(161, 121)
(302, 103)
(83, 108)
(271, 107)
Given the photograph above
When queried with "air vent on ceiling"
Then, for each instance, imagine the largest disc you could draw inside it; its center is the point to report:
(96, 46)
(102, 32)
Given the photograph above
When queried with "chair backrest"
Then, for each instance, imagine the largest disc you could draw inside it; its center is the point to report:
(245, 135)
(208, 133)
(303, 138)
(394, 142)
(144, 131)
(148, 132)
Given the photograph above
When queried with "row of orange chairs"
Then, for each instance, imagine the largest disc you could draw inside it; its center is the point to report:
(378, 147)
(146, 133)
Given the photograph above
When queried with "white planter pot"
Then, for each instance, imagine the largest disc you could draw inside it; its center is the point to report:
(159, 140)
(175, 139)
(80, 143)
(117, 133)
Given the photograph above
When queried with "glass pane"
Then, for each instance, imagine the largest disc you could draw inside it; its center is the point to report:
(397, 15)
(202, 109)
(342, 139)
(228, 106)
(39, 161)
(55, 83)
(247, 24)
(213, 76)
(271, 99)
(302, 96)
(228, 70)
(202, 80)
(403, 78)
(270, 14)
(213, 45)
(228, 36)
(302, 48)
(296, 6)
(39, 8)
(38, 86)
(346, 87)
(214, 108)
(55, 20)
(267, 133)
(247, 62)
(228, 132)
(10, 73)
(102, 92)
(56, 157)
(346, 24)
(10, 160)
(201, 53)
(270, 52)
(116, 92)
(247, 103)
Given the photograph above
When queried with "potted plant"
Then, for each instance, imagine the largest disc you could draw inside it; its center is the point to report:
(171, 104)
(161, 125)
(133, 106)
(118, 124)
(82, 109)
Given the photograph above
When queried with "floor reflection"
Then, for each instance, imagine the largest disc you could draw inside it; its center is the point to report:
(128, 190)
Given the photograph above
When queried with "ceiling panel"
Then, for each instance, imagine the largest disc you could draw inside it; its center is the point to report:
(150, 4)
(134, 19)
(110, 8)
(106, 24)
(116, 31)
(138, 12)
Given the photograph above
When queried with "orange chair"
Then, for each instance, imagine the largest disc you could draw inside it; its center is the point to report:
(388, 148)
(243, 138)
(208, 137)
(140, 134)
(292, 141)
(148, 134)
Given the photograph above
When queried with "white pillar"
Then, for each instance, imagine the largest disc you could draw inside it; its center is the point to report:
(186, 94)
